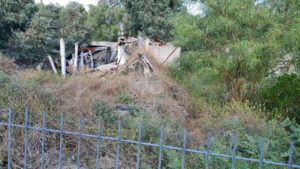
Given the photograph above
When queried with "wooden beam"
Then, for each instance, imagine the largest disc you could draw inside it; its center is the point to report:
(52, 64)
(92, 60)
(75, 65)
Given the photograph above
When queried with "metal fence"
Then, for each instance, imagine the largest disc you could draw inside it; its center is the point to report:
(100, 138)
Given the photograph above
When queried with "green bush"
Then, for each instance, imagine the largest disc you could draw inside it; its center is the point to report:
(124, 98)
(104, 113)
(281, 97)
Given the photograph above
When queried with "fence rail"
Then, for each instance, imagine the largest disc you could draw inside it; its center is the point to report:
(100, 138)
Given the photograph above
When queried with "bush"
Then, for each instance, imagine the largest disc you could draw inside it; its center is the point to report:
(281, 97)
(104, 113)
(249, 126)
(199, 78)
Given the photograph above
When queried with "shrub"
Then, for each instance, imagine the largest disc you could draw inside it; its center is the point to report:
(281, 97)
(124, 98)
(249, 126)
(104, 113)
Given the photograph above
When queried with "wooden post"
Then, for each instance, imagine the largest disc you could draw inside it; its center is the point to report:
(92, 60)
(120, 53)
(140, 42)
(63, 58)
(81, 60)
(52, 64)
(147, 42)
(75, 59)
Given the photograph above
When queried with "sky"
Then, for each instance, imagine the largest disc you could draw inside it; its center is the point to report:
(194, 8)
(65, 2)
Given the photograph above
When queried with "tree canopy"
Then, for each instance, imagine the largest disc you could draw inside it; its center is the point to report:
(48, 25)
(150, 17)
(15, 16)
(107, 19)
(236, 47)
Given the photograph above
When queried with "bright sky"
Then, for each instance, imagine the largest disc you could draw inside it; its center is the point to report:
(65, 2)
(194, 8)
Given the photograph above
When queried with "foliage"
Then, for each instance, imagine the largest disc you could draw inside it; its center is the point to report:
(281, 97)
(15, 16)
(124, 98)
(48, 25)
(73, 26)
(105, 113)
(40, 38)
(235, 46)
(149, 17)
(106, 21)
(248, 126)
(231, 43)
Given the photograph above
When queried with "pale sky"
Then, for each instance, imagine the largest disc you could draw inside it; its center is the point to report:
(193, 8)
(65, 2)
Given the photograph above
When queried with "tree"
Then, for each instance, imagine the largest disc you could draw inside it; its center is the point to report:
(15, 16)
(73, 26)
(106, 19)
(287, 15)
(49, 24)
(234, 45)
(149, 17)
(40, 39)
(110, 3)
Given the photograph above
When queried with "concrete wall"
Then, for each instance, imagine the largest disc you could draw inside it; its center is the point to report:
(163, 52)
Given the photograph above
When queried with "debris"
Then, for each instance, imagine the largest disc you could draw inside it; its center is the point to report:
(123, 110)
(129, 54)
(169, 56)
(165, 54)
(153, 87)
(107, 67)
(92, 60)
(52, 64)
(76, 58)
(81, 60)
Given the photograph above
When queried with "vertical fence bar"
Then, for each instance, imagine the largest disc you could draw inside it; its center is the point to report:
(118, 145)
(183, 149)
(139, 148)
(161, 147)
(261, 155)
(233, 152)
(9, 138)
(79, 141)
(43, 140)
(99, 147)
(61, 140)
(291, 155)
(26, 139)
(208, 151)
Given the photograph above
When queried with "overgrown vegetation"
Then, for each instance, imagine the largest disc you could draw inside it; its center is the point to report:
(107, 21)
(150, 17)
(240, 64)
(238, 46)
(48, 25)
(240, 67)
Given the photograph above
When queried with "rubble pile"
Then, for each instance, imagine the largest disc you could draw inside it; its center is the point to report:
(127, 55)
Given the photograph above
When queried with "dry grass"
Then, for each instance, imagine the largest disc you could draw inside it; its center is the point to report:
(7, 65)
(234, 115)
(76, 96)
